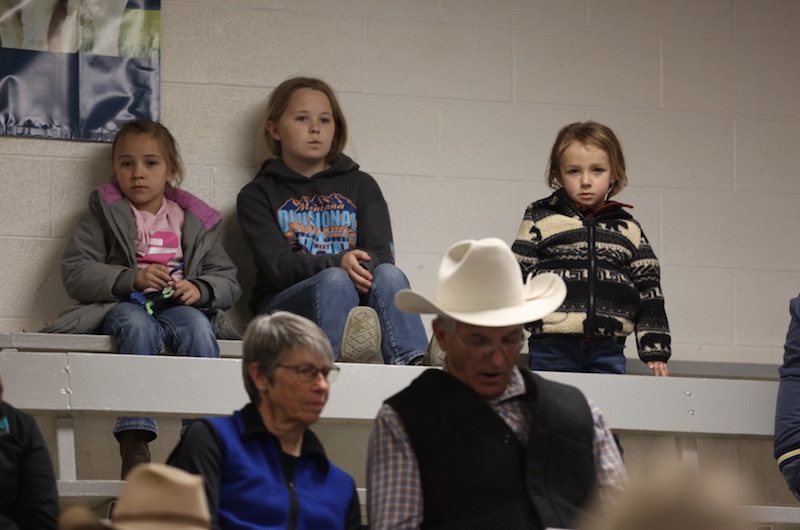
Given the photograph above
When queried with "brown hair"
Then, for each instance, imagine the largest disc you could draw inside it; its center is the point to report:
(161, 135)
(588, 133)
(279, 101)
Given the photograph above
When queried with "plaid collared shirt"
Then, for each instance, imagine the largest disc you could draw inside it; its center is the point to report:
(394, 491)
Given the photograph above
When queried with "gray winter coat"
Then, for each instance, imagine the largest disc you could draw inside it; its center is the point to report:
(99, 262)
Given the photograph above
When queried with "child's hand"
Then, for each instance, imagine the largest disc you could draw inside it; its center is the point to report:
(659, 368)
(361, 277)
(186, 293)
(153, 276)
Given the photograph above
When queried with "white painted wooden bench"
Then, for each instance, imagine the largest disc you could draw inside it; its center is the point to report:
(68, 378)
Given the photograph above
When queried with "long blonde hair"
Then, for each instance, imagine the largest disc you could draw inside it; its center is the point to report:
(279, 101)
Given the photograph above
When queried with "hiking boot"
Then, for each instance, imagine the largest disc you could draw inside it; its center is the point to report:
(133, 449)
(361, 339)
(434, 355)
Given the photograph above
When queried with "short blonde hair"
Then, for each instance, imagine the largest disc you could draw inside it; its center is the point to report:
(588, 133)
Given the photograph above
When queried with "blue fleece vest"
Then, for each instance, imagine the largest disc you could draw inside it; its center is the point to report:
(256, 495)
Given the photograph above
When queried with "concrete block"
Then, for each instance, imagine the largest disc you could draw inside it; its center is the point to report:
(36, 292)
(724, 235)
(679, 151)
(762, 306)
(540, 13)
(700, 306)
(21, 211)
(393, 135)
(680, 17)
(762, 163)
(405, 9)
(766, 20)
(186, 35)
(72, 182)
(461, 61)
(586, 68)
(216, 126)
(199, 181)
(710, 75)
(262, 48)
(500, 141)
(482, 206)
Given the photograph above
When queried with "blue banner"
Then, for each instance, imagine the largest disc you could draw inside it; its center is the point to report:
(78, 69)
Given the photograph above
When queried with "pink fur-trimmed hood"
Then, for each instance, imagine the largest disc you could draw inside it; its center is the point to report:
(110, 192)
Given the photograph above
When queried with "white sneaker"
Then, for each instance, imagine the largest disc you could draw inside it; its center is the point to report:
(434, 355)
(361, 339)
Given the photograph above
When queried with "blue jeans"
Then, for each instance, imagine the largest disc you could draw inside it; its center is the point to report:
(569, 353)
(184, 330)
(329, 295)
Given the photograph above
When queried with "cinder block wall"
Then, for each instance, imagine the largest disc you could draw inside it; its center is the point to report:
(453, 106)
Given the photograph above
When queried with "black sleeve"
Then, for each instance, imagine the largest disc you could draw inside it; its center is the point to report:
(353, 521)
(374, 224)
(36, 495)
(198, 452)
(281, 263)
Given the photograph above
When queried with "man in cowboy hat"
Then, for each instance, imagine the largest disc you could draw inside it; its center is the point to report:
(482, 443)
(154, 497)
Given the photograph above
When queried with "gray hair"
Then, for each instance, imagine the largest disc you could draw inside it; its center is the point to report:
(449, 324)
(270, 339)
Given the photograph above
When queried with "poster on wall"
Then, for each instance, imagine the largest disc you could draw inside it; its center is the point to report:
(78, 69)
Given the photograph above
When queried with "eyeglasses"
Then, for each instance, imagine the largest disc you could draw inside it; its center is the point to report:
(307, 373)
(485, 346)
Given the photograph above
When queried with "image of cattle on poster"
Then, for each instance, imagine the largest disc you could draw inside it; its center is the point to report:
(78, 69)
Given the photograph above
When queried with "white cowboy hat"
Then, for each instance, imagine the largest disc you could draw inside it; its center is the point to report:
(480, 283)
(154, 497)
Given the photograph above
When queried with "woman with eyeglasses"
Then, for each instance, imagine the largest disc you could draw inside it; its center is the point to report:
(263, 467)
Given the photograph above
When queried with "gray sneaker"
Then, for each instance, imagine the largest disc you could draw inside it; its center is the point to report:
(361, 339)
(434, 355)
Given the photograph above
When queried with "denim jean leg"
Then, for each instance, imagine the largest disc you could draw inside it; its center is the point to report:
(136, 333)
(554, 353)
(403, 336)
(325, 298)
(568, 353)
(188, 332)
(607, 356)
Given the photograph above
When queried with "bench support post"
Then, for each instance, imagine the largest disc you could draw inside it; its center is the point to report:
(65, 443)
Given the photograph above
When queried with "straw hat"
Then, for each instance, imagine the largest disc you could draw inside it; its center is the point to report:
(480, 283)
(154, 497)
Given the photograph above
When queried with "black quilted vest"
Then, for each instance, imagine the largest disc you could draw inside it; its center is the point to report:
(477, 475)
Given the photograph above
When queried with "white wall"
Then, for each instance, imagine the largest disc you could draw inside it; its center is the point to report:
(453, 106)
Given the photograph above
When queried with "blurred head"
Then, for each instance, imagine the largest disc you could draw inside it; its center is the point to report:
(280, 100)
(593, 136)
(673, 497)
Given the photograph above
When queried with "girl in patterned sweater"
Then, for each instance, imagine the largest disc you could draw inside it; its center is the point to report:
(612, 274)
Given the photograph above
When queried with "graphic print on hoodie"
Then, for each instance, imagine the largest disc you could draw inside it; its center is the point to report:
(321, 224)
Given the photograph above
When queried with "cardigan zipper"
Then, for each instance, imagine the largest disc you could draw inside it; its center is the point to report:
(590, 312)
